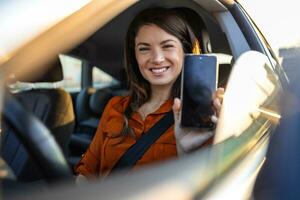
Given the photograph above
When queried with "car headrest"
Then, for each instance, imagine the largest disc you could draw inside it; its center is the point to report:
(99, 99)
(53, 73)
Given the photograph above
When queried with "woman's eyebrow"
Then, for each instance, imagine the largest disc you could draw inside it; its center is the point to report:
(143, 43)
(147, 44)
(166, 41)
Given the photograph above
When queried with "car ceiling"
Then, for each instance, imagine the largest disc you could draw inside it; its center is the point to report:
(104, 48)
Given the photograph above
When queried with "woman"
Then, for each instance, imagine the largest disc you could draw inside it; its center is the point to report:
(156, 42)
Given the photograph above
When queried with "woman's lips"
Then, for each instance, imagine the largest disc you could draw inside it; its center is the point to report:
(159, 71)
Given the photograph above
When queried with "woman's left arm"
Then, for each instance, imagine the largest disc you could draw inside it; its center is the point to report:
(190, 139)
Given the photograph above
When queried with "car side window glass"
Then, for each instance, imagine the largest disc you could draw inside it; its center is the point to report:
(262, 38)
(101, 79)
(272, 56)
(72, 73)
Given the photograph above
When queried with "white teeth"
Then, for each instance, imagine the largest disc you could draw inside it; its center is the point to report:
(159, 70)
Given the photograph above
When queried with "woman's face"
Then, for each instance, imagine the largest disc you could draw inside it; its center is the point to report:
(159, 55)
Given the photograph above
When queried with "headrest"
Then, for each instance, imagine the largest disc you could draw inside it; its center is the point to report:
(53, 73)
(99, 99)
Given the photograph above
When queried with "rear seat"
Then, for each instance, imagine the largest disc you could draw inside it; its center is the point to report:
(90, 104)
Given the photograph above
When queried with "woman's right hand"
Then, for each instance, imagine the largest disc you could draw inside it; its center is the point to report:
(188, 139)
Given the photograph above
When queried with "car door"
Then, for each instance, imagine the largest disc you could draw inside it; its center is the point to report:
(250, 111)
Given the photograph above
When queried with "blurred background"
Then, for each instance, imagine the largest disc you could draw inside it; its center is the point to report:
(278, 20)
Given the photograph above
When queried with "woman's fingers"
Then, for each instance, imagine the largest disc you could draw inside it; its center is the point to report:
(217, 100)
(217, 106)
(219, 93)
(214, 119)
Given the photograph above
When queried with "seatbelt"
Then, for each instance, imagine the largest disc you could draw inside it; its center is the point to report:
(138, 149)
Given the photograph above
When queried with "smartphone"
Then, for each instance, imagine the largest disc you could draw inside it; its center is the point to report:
(198, 82)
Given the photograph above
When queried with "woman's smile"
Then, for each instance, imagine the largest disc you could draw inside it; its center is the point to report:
(159, 71)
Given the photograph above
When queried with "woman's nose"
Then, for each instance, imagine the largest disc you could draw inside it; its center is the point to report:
(157, 56)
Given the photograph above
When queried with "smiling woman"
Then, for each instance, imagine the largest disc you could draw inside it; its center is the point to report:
(156, 41)
(95, 35)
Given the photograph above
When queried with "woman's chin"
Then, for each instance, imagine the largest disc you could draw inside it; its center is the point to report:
(162, 82)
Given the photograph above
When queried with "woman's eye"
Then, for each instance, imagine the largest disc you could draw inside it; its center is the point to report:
(143, 49)
(167, 46)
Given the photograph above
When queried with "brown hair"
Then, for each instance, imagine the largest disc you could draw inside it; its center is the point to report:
(170, 21)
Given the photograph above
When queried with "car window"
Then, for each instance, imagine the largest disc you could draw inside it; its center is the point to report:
(101, 79)
(72, 68)
(267, 48)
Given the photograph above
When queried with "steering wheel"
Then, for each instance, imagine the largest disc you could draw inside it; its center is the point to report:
(37, 140)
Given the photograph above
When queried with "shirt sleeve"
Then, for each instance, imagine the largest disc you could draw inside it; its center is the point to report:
(90, 162)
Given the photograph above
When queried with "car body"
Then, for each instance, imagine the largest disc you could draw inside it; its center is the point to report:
(94, 36)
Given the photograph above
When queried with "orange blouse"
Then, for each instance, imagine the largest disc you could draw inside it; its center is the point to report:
(108, 146)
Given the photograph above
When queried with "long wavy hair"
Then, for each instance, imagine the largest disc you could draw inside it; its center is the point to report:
(173, 23)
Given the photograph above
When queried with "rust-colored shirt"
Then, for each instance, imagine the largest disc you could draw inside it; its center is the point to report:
(108, 146)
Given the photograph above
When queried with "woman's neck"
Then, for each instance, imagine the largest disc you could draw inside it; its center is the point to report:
(160, 94)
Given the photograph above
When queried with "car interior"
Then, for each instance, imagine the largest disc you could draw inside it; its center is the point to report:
(72, 116)
(54, 107)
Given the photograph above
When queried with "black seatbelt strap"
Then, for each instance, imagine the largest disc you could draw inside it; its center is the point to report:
(138, 149)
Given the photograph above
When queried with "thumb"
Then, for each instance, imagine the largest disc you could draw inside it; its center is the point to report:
(176, 108)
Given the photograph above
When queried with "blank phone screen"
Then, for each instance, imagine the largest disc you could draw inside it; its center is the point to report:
(199, 81)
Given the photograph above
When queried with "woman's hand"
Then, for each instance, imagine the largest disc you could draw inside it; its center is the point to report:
(188, 139)
(217, 103)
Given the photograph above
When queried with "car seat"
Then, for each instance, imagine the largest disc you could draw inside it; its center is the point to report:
(53, 106)
(90, 103)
